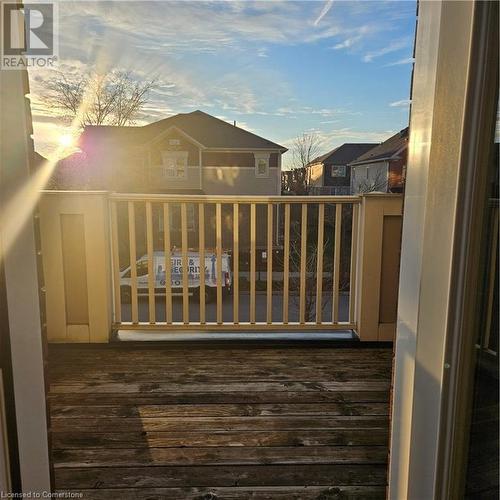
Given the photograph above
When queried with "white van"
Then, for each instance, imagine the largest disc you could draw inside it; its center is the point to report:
(176, 275)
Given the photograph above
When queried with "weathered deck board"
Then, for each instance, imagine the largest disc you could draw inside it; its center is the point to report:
(165, 398)
(220, 410)
(222, 476)
(238, 493)
(266, 423)
(346, 437)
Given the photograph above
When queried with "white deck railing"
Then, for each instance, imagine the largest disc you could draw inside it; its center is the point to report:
(297, 263)
(273, 229)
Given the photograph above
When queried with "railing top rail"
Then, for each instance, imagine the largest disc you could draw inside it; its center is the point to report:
(173, 198)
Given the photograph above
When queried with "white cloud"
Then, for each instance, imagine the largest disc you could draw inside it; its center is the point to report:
(388, 49)
(341, 135)
(348, 42)
(357, 36)
(406, 60)
(326, 8)
(309, 110)
(403, 103)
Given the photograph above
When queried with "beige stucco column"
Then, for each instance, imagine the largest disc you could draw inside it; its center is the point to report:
(76, 260)
(379, 240)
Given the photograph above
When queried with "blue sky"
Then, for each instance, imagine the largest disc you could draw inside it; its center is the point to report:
(279, 68)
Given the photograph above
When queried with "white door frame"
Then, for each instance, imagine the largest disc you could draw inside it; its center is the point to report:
(21, 281)
(439, 158)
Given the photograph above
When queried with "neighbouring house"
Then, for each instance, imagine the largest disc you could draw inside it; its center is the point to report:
(383, 167)
(189, 153)
(330, 174)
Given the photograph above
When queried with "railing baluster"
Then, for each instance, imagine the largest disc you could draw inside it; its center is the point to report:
(303, 265)
(252, 263)
(274, 220)
(218, 236)
(168, 263)
(269, 315)
(116, 264)
(319, 264)
(286, 262)
(201, 250)
(151, 269)
(133, 262)
(236, 264)
(336, 263)
(354, 263)
(185, 265)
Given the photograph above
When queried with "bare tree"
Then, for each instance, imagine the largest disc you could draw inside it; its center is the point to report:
(112, 99)
(305, 148)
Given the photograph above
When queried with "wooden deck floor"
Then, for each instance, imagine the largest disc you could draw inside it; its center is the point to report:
(199, 423)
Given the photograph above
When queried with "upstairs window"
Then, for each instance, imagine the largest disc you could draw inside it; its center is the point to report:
(338, 171)
(261, 165)
(174, 164)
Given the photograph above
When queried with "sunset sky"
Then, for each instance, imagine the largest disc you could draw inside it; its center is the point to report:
(278, 68)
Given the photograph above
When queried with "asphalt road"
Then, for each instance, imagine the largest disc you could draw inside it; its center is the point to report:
(244, 308)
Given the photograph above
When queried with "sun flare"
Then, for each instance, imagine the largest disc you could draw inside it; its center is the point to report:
(66, 140)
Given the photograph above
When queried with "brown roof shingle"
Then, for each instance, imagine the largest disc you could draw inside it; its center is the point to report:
(385, 150)
(344, 154)
(206, 129)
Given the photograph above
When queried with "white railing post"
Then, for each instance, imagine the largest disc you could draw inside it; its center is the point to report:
(75, 240)
(379, 242)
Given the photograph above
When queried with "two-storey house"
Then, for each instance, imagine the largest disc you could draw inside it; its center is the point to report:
(383, 167)
(186, 153)
(330, 173)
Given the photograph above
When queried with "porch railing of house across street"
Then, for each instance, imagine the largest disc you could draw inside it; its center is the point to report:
(314, 270)
(116, 261)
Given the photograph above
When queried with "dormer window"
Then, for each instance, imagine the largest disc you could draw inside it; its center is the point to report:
(261, 164)
(174, 164)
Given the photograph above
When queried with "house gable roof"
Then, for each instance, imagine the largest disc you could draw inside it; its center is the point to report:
(205, 129)
(385, 150)
(344, 154)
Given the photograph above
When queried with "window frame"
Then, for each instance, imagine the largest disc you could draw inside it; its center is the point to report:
(258, 158)
(176, 156)
(336, 167)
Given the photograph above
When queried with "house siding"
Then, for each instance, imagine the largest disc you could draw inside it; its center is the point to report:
(236, 180)
(234, 159)
(369, 173)
(392, 170)
(316, 175)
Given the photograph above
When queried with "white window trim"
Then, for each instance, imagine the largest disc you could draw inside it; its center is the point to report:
(259, 157)
(182, 155)
(342, 167)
